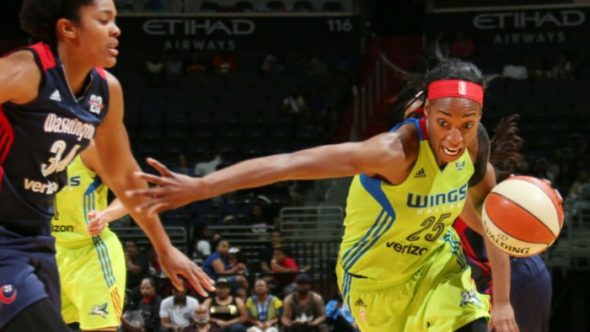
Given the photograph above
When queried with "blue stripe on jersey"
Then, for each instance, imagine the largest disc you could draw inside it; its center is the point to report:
(373, 187)
(99, 245)
(105, 261)
(365, 237)
(346, 288)
(414, 121)
(358, 247)
(361, 252)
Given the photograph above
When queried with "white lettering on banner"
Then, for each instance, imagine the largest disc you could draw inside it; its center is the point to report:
(56, 124)
(49, 188)
(200, 45)
(529, 20)
(529, 38)
(174, 26)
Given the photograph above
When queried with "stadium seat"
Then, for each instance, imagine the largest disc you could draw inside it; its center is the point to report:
(209, 7)
(302, 6)
(244, 6)
(332, 6)
(275, 6)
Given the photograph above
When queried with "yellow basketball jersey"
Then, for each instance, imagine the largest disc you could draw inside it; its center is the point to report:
(83, 193)
(392, 230)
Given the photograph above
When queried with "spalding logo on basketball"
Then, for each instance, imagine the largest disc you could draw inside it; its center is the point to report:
(523, 215)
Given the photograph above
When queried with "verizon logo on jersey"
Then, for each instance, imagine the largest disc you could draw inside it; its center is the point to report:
(48, 188)
(56, 124)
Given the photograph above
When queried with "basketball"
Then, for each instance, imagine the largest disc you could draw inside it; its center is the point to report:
(523, 215)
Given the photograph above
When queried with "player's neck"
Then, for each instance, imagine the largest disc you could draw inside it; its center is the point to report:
(76, 70)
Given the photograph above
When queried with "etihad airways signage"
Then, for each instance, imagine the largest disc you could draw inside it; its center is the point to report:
(536, 19)
(228, 33)
(567, 25)
(194, 26)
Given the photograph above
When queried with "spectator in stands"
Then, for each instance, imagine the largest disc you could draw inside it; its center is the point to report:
(149, 305)
(242, 293)
(154, 68)
(176, 311)
(264, 309)
(235, 260)
(195, 65)
(202, 242)
(461, 46)
(256, 217)
(304, 309)
(516, 70)
(538, 70)
(346, 62)
(182, 165)
(203, 322)
(311, 65)
(580, 188)
(339, 317)
(217, 265)
(267, 251)
(205, 167)
(295, 103)
(563, 69)
(284, 269)
(226, 310)
(224, 62)
(137, 265)
(540, 169)
(173, 67)
(271, 65)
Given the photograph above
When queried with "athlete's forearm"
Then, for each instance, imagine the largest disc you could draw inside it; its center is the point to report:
(321, 162)
(500, 264)
(150, 224)
(115, 210)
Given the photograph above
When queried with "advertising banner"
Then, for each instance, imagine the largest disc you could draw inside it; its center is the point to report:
(239, 33)
(532, 26)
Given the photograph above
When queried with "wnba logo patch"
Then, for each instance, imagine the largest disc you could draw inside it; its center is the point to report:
(7, 294)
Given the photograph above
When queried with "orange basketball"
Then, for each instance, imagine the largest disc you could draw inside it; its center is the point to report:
(523, 215)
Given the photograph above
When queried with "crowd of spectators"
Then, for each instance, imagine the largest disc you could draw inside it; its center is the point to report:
(231, 6)
(271, 296)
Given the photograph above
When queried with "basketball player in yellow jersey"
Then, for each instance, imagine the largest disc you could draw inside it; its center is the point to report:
(400, 265)
(89, 256)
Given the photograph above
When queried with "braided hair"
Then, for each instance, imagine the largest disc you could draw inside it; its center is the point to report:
(506, 146)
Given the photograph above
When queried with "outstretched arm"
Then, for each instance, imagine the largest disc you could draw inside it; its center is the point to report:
(119, 167)
(384, 155)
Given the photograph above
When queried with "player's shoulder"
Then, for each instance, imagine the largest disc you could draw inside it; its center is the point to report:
(20, 76)
(111, 79)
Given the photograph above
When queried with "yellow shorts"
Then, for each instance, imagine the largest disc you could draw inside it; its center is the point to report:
(92, 281)
(440, 297)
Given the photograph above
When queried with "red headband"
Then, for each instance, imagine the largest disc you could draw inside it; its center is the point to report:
(456, 88)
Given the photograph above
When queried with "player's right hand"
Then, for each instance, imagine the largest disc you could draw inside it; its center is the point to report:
(97, 222)
(175, 263)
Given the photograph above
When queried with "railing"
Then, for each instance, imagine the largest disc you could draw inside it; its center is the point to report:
(177, 235)
(314, 223)
(571, 252)
(367, 95)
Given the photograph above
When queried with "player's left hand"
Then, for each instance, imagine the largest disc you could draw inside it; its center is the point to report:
(503, 319)
(172, 190)
(98, 221)
(175, 263)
